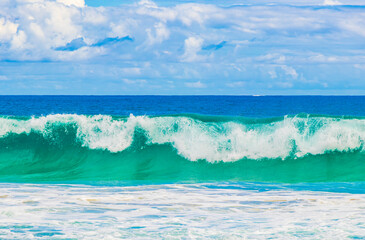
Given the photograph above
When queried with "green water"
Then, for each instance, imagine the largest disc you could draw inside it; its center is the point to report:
(181, 148)
(39, 160)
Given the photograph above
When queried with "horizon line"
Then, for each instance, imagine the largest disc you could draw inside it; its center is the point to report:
(184, 95)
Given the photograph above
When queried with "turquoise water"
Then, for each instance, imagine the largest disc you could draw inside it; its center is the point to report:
(71, 147)
(144, 167)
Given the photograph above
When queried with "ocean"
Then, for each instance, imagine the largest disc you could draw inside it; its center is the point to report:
(182, 167)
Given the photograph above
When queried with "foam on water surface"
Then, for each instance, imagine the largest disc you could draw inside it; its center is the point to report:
(182, 167)
(175, 211)
(195, 139)
(65, 147)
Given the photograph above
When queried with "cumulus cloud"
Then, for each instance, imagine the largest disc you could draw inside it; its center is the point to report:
(192, 46)
(7, 29)
(234, 43)
(157, 34)
(38, 29)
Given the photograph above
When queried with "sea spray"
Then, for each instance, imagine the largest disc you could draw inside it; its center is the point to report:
(79, 147)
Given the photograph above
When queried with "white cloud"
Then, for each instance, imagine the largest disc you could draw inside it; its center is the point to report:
(197, 13)
(355, 25)
(41, 26)
(331, 2)
(77, 3)
(18, 41)
(94, 16)
(192, 46)
(158, 34)
(7, 29)
(147, 3)
(280, 39)
(290, 71)
(33, 29)
(197, 84)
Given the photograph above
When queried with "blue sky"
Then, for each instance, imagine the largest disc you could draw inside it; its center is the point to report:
(182, 47)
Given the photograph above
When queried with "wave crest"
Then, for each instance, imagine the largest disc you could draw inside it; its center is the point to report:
(195, 139)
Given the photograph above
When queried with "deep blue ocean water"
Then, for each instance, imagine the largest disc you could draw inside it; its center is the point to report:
(182, 138)
(181, 167)
(281, 139)
(247, 106)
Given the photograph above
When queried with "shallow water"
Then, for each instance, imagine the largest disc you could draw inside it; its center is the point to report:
(152, 167)
(178, 211)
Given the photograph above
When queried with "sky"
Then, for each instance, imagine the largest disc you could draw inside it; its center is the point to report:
(183, 47)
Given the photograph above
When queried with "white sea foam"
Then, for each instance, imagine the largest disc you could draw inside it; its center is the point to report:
(177, 211)
(212, 141)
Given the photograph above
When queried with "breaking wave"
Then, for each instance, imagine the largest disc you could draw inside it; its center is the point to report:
(60, 146)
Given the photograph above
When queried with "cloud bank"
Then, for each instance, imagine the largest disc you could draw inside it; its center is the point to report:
(262, 47)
